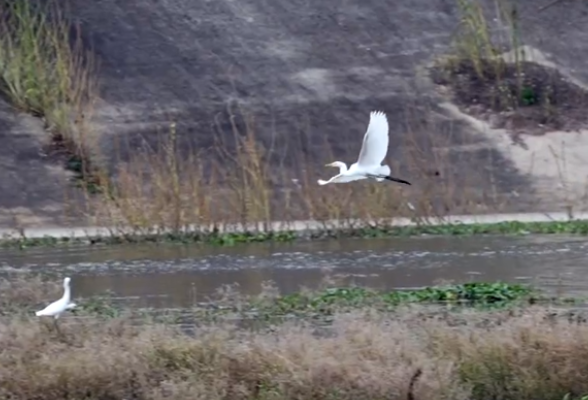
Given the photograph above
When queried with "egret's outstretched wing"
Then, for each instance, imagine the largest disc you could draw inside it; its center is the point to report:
(375, 142)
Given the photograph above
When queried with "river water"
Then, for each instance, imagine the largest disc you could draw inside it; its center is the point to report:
(158, 275)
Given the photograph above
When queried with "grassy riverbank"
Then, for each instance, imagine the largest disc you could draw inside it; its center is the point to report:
(23, 294)
(219, 238)
(365, 352)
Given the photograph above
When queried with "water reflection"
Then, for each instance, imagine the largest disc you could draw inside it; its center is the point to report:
(180, 275)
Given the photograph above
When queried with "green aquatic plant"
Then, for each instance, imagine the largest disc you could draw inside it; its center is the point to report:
(98, 305)
(26, 293)
(568, 396)
(331, 299)
(575, 227)
(579, 227)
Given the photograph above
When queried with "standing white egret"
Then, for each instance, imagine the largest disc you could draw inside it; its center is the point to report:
(59, 306)
(373, 151)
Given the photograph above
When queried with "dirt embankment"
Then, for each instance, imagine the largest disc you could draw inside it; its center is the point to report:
(303, 76)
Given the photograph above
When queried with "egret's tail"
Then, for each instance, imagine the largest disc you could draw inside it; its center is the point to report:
(71, 305)
(383, 170)
(40, 313)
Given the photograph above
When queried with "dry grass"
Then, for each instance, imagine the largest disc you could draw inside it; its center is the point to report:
(23, 292)
(246, 184)
(478, 44)
(521, 354)
(46, 71)
(523, 358)
(487, 48)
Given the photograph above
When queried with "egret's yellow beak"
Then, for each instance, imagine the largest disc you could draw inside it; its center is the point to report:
(329, 165)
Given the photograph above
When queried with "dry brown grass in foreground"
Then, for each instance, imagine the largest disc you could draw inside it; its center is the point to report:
(523, 358)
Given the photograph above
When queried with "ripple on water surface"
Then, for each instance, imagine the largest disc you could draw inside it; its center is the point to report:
(179, 275)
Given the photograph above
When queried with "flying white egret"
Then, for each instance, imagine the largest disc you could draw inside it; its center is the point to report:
(373, 151)
(59, 306)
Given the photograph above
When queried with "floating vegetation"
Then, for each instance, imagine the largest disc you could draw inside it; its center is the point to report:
(345, 299)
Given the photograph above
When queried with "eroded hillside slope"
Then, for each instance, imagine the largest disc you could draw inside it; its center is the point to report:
(302, 77)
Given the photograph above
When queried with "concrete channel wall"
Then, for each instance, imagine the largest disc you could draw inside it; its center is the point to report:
(307, 72)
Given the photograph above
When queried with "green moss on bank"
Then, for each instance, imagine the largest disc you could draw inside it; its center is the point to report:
(575, 227)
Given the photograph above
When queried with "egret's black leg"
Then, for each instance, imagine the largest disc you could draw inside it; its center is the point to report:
(390, 178)
(57, 328)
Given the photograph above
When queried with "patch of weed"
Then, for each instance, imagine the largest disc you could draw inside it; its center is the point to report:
(333, 300)
(576, 227)
(522, 96)
(45, 71)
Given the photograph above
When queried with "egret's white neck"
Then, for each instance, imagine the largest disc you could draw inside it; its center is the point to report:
(66, 292)
(341, 165)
